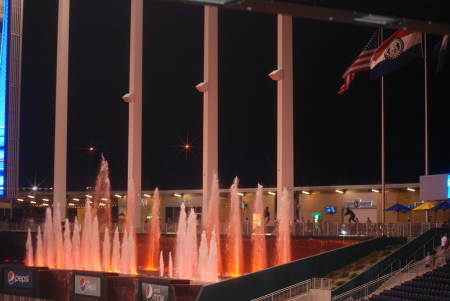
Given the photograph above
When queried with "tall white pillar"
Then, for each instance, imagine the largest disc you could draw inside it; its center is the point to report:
(62, 75)
(134, 98)
(209, 87)
(285, 116)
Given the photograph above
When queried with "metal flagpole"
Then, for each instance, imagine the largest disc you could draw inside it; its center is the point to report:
(383, 192)
(426, 100)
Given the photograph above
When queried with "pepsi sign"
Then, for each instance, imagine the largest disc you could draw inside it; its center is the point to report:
(88, 286)
(18, 278)
(154, 292)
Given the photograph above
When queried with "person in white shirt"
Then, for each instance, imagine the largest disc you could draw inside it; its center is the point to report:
(444, 241)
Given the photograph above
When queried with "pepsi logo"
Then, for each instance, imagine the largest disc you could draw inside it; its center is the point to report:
(148, 292)
(82, 284)
(11, 277)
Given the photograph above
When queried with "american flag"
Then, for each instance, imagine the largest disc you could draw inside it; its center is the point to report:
(361, 63)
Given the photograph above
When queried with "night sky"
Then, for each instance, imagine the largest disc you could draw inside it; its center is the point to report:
(337, 138)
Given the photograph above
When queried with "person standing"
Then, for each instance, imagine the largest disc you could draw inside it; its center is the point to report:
(444, 240)
(267, 214)
(246, 224)
(428, 260)
(433, 254)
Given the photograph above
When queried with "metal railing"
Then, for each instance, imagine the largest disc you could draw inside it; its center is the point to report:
(323, 229)
(293, 291)
(408, 272)
(423, 248)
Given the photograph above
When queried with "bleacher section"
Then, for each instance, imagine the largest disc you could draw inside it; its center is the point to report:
(431, 286)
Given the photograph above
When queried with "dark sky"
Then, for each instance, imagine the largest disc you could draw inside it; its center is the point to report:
(337, 138)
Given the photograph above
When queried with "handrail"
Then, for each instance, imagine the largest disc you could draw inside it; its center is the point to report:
(324, 229)
(390, 266)
(422, 247)
(372, 287)
(288, 292)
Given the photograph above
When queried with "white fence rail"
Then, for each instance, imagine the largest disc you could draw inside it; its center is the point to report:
(324, 229)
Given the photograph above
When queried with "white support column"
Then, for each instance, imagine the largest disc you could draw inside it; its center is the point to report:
(134, 98)
(285, 118)
(210, 102)
(62, 75)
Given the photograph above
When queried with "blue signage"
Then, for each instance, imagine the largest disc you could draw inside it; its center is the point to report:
(3, 87)
(18, 278)
(448, 186)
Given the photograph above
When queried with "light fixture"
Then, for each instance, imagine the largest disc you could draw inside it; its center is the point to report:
(104, 199)
(45, 200)
(101, 204)
(44, 204)
(31, 197)
(34, 188)
(129, 97)
(177, 195)
(410, 189)
(217, 2)
(272, 193)
(339, 191)
(240, 193)
(20, 200)
(305, 192)
(118, 195)
(88, 196)
(147, 195)
(375, 190)
(277, 74)
(71, 204)
(76, 200)
(202, 87)
(33, 202)
(378, 20)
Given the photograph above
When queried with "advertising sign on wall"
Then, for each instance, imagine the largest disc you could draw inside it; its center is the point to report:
(154, 292)
(88, 286)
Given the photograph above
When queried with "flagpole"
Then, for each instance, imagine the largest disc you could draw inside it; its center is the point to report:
(383, 195)
(383, 192)
(426, 101)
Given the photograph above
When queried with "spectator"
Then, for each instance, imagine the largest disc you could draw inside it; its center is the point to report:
(444, 240)
(433, 254)
(31, 223)
(246, 224)
(428, 260)
(267, 214)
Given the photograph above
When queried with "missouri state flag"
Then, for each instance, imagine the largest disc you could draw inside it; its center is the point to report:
(397, 51)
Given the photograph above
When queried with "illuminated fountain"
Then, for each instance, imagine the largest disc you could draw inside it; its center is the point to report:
(91, 249)
(212, 218)
(101, 198)
(233, 242)
(94, 246)
(154, 234)
(259, 252)
(186, 245)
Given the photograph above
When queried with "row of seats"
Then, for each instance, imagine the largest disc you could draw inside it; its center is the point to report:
(427, 285)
